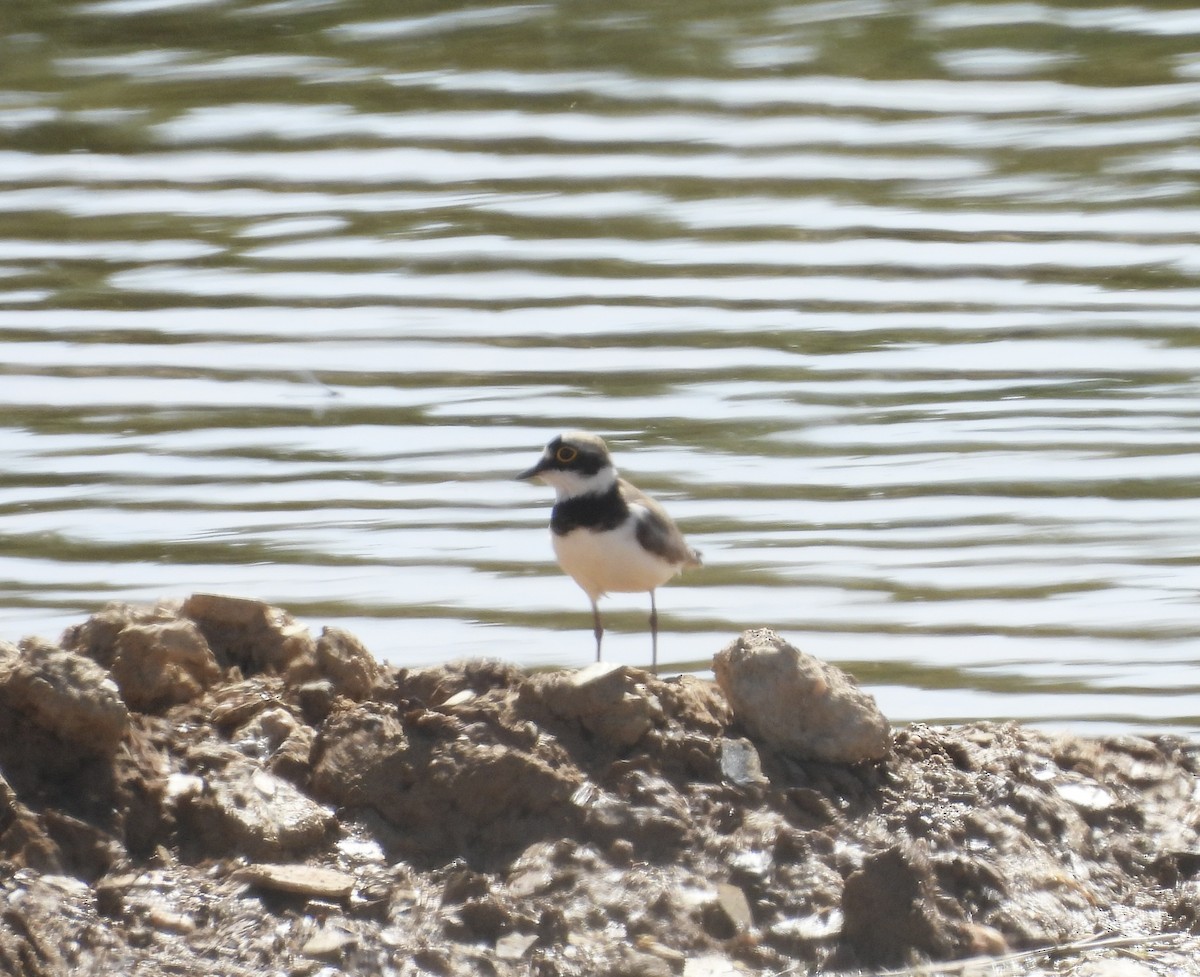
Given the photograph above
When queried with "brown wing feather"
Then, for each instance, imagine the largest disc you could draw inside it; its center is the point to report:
(656, 531)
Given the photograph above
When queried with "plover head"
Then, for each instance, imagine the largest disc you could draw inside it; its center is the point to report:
(575, 463)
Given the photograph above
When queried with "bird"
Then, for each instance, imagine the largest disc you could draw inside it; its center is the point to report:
(608, 536)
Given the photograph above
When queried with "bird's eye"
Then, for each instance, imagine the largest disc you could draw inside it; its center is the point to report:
(566, 454)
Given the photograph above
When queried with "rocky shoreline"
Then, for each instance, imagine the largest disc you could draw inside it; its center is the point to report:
(204, 787)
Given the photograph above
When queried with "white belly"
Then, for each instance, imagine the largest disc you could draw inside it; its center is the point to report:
(611, 562)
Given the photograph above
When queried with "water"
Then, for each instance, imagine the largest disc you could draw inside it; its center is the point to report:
(895, 305)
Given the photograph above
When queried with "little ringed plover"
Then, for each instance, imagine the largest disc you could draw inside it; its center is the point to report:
(609, 536)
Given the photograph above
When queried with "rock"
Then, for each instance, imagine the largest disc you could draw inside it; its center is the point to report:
(251, 635)
(695, 703)
(438, 684)
(263, 735)
(65, 694)
(886, 909)
(299, 879)
(329, 943)
(646, 812)
(23, 837)
(530, 881)
(172, 922)
(797, 704)
(609, 701)
(316, 700)
(740, 763)
(486, 918)
(293, 759)
(362, 759)
(244, 808)
(478, 831)
(97, 636)
(162, 664)
(442, 788)
(462, 884)
(277, 738)
(87, 850)
(235, 703)
(729, 912)
(514, 946)
(344, 661)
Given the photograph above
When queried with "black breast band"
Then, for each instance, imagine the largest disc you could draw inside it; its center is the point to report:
(597, 511)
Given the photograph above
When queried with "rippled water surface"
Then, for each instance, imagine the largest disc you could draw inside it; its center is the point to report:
(895, 305)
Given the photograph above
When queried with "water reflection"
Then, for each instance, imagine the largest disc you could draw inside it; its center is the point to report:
(895, 307)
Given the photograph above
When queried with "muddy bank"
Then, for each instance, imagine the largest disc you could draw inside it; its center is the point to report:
(208, 788)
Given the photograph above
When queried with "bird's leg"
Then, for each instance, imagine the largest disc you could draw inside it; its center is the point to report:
(597, 627)
(653, 635)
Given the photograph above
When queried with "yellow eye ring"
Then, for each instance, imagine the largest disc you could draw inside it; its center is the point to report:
(565, 454)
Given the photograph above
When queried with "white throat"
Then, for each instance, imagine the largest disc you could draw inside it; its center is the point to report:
(569, 485)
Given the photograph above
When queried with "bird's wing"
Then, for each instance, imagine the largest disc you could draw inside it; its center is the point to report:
(656, 531)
